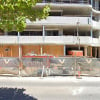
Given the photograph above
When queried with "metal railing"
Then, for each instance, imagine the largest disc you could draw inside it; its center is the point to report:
(73, 2)
(67, 1)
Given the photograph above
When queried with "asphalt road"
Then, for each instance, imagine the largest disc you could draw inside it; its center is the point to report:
(49, 90)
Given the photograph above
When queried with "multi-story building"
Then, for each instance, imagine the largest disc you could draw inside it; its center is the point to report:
(71, 25)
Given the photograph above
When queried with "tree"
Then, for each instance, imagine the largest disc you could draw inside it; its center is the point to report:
(13, 13)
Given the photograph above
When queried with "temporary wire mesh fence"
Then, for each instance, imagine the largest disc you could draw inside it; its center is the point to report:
(41, 67)
(9, 66)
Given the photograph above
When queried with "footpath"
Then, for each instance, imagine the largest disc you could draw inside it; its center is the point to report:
(50, 79)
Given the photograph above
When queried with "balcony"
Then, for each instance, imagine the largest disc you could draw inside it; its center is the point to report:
(8, 40)
(62, 21)
(68, 40)
(96, 25)
(67, 1)
(85, 4)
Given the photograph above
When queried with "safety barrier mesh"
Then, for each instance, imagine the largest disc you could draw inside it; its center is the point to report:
(9, 66)
(50, 66)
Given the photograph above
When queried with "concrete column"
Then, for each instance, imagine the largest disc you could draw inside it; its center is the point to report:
(92, 2)
(95, 52)
(91, 51)
(20, 48)
(43, 33)
(97, 4)
(20, 54)
(41, 50)
(85, 50)
(91, 31)
(60, 32)
(64, 50)
(99, 52)
(20, 51)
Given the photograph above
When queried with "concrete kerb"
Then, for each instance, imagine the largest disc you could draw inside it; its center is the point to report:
(50, 79)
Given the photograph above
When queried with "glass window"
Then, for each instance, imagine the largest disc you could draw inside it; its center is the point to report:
(13, 33)
(51, 33)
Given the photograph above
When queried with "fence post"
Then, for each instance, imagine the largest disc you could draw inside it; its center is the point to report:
(44, 60)
(20, 54)
(75, 64)
(42, 71)
(79, 72)
(47, 66)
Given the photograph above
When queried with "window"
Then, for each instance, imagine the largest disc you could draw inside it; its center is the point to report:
(55, 13)
(36, 33)
(51, 33)
(31, 33)
(13, 33)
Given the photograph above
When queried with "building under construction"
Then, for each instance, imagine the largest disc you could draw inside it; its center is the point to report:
(72, 28)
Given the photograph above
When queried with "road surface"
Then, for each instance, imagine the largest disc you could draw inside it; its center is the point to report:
(49, 89)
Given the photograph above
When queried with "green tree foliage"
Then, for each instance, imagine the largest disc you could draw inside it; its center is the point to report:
(13, 13)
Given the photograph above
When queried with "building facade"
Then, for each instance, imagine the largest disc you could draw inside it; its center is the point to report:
(71, 25)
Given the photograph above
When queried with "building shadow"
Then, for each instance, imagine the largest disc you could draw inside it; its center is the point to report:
(14, 94)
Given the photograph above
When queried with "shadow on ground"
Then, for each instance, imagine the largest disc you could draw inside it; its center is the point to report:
(14, 94)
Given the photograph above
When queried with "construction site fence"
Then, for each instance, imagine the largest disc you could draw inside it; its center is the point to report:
(49, 66)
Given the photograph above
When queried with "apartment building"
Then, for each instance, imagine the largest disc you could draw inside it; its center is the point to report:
(71, 25)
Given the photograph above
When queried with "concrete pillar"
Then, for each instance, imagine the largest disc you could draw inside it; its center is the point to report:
(20, 48)
(97, 4)
(60, 32)
(85, 51)
(91, 51)
(64, 50)
(91, 16)
(20, 54)
(43, 33)
(91, 31)
(99, 52)
(95, 52)
(41, 50)
(43, 29)
(92, 2)
(20, 51)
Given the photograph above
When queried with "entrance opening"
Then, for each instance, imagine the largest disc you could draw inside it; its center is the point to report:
(73, 48)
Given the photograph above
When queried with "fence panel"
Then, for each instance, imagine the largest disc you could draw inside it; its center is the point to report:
(62, 66)
(34, 66)
(88, 66)
(50, 66)
(9, 66)
(84, 65)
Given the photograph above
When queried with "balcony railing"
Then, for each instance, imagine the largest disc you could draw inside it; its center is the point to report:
(96, 24)
(67, 1)
(84, 40)
(91, 2)
(61, 20)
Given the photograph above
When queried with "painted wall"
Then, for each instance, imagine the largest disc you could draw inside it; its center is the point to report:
(12, 51)
(30, 48)
(56, 50)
